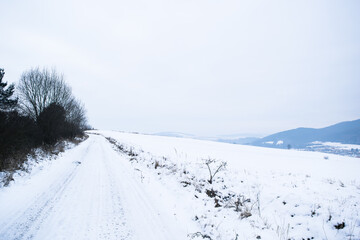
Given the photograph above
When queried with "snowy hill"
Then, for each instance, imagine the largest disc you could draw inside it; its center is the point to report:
(175, 134)
(132, 186)
(234, 139)
(344, 132)
(292, 194)
(240, 140)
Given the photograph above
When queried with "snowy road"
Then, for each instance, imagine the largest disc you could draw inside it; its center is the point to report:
(90, 192)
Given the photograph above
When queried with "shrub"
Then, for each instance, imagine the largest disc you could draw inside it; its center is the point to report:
(18, 134)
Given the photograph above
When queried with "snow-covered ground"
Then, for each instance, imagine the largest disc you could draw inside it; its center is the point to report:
(338, 145)
(132, 186)
(90, 192)
(352, 150)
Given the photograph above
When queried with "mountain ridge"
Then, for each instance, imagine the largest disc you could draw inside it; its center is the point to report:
(347, 132)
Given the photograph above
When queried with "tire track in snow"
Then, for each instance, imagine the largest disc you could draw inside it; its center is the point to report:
(92, 208)
(27, 223)
(148, 221)
(115, 226)
(101, 198)
(32, 218)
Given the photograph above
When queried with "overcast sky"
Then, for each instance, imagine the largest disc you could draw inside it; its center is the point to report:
(206, 67)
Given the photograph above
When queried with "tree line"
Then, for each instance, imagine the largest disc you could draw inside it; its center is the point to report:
(41, 110)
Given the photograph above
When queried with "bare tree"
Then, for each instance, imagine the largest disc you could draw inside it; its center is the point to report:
(39, 88)
(76, 115)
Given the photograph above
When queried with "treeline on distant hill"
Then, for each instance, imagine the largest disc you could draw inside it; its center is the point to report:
(40, 111)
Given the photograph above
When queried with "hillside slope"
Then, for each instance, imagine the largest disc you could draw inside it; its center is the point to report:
(261, 193)
(344, 132)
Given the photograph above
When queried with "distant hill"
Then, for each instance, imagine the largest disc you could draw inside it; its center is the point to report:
(174, 134)
(241, 140)
(344, 132)
(234, 139)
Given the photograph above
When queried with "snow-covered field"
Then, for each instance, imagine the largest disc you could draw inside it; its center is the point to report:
(338, 145)
(352, 150)
(132, 186)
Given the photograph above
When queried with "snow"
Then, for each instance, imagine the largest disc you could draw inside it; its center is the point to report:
(279, 142)
(90, 192)
(294, 194)
(240, 157)
(338, 145)
(131, 186)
